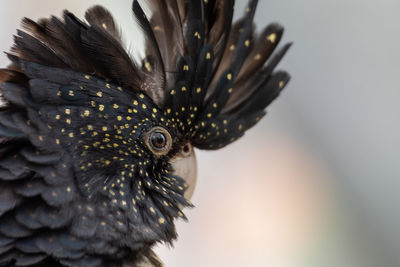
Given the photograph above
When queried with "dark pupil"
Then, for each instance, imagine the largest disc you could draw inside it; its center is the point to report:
(158, 140)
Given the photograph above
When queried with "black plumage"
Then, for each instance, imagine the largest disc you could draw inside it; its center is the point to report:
(80, 184)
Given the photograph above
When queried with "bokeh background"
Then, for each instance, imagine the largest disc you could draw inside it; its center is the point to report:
(316, 183)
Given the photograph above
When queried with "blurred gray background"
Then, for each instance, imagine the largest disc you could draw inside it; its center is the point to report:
(316, 182)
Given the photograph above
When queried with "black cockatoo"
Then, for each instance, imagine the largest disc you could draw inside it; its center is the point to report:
(96, 154)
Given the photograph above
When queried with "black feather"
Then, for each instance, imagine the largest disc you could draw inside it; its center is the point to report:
(154, 81)
(101, 17)
(29, 259)
(8, 199)
(12, 229)
(112, 60)
(27, 216)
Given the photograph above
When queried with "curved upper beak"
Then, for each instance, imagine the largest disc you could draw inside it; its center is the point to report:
(185, 166)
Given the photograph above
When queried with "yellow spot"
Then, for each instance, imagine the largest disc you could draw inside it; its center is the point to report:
(198, 90)
(93, 103)
(147, 65)
(240, 127)
(229, 76)
(108, 85)
(230, 90)
(59, 93)
(209, 115)
(71, 93)
(141, 96)
(90, 127)
(247, 43)
(208, 55)
(128, 118)
(225, 121)
(257, 57)
(87, 77)
(57, 117)
(183, 88)
(99, 94)
(119, 88)
(152, 210)
(156, 28)
(154, 110)
(168, 110)
(232, 47)
(119, 118)
(161, 220)
(186, 67)
(57, 141)
(68, 189)
(95, 133)
(107, 162)
(101, 107)
(104, 26)
(272, 37)
(281, 84)
(196, 34)
(115, 106)
(67, 111)
(172, 92)
(134, 110)
(68, 121)
(144, 106)
(71, 135)
(104, 128)
(215, 105)
(135, 102)
(40, 138)
(86, 113)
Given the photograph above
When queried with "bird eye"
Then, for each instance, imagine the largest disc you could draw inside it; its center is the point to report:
(159, 141)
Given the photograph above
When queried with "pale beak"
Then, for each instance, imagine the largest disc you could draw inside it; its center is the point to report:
(185, 166)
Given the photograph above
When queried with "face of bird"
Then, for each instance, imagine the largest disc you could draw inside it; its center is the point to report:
(129, 156)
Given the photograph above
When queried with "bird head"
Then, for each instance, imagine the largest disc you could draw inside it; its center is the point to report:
(104, 144)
